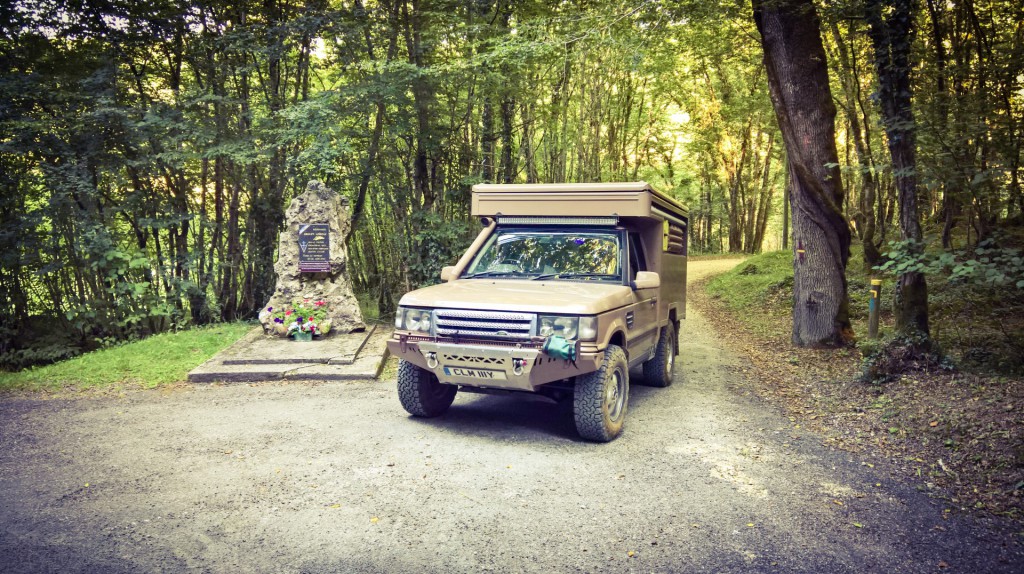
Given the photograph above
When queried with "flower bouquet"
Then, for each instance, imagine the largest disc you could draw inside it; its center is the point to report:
(302, 319)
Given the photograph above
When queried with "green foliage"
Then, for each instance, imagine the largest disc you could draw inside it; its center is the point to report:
(147, 152)
(438, 243)
(159, 360)
(986, 264)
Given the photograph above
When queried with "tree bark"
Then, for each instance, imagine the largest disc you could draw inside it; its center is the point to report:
(798, 84)
(891, 37)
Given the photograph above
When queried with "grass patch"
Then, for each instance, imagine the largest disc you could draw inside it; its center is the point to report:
(760, 292)
(158, 360)
(368, 307)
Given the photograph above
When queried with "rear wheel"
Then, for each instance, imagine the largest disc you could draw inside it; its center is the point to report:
(658, 371)
(601, 398)
(420, 393)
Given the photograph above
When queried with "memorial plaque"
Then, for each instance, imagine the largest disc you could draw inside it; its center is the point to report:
(314, 248)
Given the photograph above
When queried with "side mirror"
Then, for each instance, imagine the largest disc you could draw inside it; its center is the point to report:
(448, 273)
(646, 280)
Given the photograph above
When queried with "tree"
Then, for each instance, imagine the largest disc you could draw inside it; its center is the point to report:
(799, 87)
(891, 27)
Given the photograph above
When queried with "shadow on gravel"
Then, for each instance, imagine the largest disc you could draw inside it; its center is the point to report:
(17, 556)
(526, 417)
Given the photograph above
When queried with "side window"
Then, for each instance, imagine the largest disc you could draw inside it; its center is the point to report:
(637, 262)
(675, 238)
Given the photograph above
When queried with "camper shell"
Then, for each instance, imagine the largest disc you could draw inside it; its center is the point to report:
(566, 287)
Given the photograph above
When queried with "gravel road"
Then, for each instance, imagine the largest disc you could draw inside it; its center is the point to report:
(335, 477)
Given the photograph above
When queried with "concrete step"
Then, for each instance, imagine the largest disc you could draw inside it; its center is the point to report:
(258, 357)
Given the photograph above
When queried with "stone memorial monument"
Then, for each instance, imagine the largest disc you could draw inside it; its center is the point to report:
(312, 261)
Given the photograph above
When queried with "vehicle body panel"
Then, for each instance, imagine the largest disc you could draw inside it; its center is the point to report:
(652, 235)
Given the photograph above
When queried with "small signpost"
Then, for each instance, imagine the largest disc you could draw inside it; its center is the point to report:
(876, 293)
(314, 248)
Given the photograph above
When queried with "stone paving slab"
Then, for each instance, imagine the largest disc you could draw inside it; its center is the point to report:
(257, 357)
(259, 349)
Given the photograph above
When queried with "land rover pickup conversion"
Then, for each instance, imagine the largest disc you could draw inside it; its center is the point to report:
(565, 289)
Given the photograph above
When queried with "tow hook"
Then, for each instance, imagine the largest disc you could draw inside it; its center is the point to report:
(517, 366)
(432, 360)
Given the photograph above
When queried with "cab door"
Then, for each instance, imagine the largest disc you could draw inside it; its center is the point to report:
(642, 315)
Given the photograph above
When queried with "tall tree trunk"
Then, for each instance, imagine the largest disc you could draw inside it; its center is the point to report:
(865, 162)
(422, 101)
(378, 119)
(798, 84)
(891, 36)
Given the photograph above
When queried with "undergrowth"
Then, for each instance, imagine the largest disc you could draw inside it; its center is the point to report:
(978, 327)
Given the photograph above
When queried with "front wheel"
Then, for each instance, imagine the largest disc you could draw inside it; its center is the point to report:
(420, 392)
(600, 398)
(658, 371)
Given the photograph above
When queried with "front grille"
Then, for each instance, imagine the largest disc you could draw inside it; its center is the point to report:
(484, 324)
(535, 343)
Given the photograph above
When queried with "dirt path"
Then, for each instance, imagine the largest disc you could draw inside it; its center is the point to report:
(337, 478)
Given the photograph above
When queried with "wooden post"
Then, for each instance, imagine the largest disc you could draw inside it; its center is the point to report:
(876, 293)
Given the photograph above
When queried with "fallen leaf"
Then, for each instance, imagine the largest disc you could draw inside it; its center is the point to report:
(631, 553)
(375, 520)
(837, 502)
(943, 564)
(933, 424)
(750, 525)
(858, 525)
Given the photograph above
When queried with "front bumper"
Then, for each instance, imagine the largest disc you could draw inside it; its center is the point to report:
(497, 366)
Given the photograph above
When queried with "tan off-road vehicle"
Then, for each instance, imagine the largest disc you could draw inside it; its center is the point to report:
(566, 288)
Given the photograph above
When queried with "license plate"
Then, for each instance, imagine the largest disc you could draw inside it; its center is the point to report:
(479, 374)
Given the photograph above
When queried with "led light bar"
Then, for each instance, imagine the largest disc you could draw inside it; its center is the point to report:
(556, 220)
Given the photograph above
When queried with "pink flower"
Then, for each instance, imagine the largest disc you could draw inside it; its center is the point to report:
(288, 312)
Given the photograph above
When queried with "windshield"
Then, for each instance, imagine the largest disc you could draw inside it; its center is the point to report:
(544, 254)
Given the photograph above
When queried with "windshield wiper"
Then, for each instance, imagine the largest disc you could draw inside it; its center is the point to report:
(493, 274)
(568, 275)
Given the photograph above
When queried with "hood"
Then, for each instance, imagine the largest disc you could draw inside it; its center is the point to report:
(556, 297)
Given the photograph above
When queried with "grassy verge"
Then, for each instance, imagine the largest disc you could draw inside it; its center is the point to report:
(158, 360)
(954, 434)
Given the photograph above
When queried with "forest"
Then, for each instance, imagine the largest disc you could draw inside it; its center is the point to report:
(148, 150)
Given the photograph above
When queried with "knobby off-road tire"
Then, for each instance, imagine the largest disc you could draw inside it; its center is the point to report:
(601, 398)
(658, 371)
(420, 393)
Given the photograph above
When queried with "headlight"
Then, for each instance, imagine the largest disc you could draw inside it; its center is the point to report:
(413, 319)
(583, 328)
